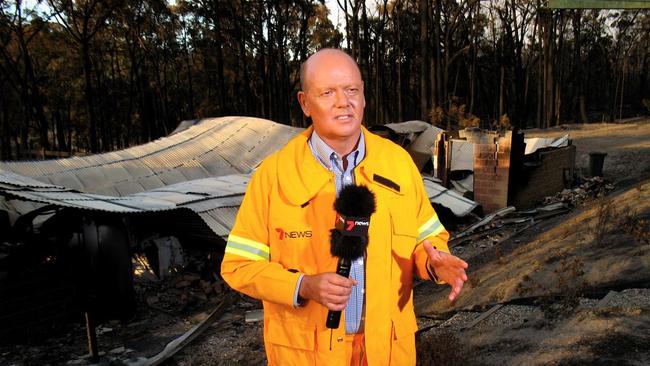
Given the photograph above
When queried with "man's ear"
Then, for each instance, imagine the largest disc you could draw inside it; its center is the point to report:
(302, 99)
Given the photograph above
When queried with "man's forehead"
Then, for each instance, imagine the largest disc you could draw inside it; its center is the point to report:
(326, 60)
(328, 83)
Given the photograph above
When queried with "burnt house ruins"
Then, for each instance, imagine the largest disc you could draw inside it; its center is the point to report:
(70, 228)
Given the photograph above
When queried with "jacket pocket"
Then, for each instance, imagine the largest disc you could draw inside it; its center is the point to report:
(290, 333)
(404, 231)
(402, 224)
(403, 221)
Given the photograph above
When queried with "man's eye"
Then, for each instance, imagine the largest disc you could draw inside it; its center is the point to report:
(327, 93)
(353, 91)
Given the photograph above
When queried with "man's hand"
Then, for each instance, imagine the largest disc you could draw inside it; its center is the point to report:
(327, 289)
(448, 268)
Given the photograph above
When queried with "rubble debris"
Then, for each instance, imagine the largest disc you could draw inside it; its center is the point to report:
(605, 300)
(487, 219)
(506, 223)
(482, 316)
(589, 188)
(180, 342)
(254, 315)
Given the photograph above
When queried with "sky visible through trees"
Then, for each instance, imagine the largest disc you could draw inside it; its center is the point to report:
(82, 76)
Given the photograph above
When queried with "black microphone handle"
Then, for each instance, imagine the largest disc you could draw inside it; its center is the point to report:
(342, 269)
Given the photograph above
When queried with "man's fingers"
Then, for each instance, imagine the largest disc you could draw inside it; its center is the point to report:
(449, 268)
(328, 289)
(335, 307)
(339, 280)
(443, 258)
(462, 263)
(436, 257)
(455, 290)
(338, 290)
(455, 261)
(335, 302)
(337, 299)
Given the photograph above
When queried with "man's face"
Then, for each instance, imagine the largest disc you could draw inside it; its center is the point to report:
(333, 96)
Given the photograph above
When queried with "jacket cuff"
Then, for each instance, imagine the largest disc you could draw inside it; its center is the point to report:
(423, 268)
(421, 258)
(297, 300)
(432, 274)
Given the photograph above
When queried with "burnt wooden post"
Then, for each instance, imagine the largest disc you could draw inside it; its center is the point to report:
(441, 152)
(92, 337)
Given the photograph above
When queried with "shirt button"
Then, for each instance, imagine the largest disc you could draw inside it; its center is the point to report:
(339, 339)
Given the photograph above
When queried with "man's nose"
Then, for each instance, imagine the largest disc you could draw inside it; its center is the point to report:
(342, 100)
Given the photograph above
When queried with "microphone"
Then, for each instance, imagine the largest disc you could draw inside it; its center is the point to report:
(349, 239)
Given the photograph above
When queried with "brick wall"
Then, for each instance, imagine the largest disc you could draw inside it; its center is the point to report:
(491, 173)
(553, 173)
(501, 178)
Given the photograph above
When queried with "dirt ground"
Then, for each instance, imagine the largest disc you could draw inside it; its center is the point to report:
(568, 290)
(627, 146)
(572, 290)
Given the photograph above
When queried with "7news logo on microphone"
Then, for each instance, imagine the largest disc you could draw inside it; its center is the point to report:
(352, 225)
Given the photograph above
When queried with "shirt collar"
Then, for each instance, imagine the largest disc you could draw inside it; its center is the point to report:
(323, 152)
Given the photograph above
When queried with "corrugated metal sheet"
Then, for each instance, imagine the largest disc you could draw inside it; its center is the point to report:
(451, 199)
(408, 127)
(535, 143)
(426, 140)
(12, 180)
(462, 155)
(211, 147)
(221, 220)
(197, 195)
(464, 185)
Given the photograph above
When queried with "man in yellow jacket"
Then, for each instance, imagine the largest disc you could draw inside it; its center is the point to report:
(279, 250)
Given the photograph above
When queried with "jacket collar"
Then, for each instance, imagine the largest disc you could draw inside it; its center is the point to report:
(301, 176)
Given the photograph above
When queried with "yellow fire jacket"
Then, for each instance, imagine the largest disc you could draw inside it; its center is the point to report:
(282, 230)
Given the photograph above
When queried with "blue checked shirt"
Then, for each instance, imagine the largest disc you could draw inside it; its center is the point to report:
(331, 161)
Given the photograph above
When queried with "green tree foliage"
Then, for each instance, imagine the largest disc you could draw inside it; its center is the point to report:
(85, 76)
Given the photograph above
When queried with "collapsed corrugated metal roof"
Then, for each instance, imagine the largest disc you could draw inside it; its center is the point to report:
(211, 147)
(215, 200)
(116, 182)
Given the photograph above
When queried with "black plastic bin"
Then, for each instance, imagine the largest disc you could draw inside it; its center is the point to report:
(596, 162)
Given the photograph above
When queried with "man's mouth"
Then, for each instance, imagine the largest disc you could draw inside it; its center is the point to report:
(344, 117)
